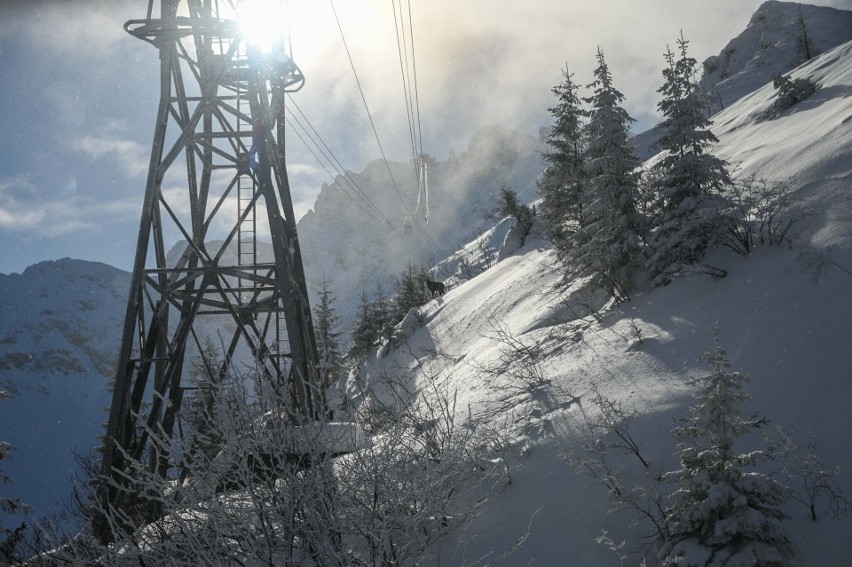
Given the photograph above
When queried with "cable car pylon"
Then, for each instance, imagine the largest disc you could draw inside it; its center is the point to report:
(218, 139)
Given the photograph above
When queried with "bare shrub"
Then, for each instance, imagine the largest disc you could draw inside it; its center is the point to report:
(761, 212)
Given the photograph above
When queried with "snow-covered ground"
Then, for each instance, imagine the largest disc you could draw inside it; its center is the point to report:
(782, 314)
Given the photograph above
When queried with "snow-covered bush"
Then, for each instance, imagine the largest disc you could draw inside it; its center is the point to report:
(9, 539)
(608, 456)
(281, 494)
(814, 484)
(790, 92)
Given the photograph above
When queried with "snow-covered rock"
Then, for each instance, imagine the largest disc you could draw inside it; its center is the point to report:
(772, 43)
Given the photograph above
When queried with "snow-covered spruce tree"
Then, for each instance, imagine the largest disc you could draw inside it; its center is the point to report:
(607, 246)
(790, 92)
(373, 324)
(691, 180)
(326, 327)
(561, 185)
(410, 292)
(364, 334)
(721, 514)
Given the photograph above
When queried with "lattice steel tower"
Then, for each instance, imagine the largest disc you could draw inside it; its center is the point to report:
(217, 167)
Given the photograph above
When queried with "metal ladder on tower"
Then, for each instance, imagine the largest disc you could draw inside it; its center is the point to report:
(246, 210)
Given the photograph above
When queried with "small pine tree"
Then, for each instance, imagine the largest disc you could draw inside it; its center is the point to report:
(326, 324)
(608, 244)
(561, 185)
(721, 514)
(510, 206)
(410, 292)
(790, 92)
(691, 180)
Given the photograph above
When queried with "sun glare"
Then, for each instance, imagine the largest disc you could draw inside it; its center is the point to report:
(263, 22)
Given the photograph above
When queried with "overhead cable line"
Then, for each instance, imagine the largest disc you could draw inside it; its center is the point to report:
(408, 72)
(325, 167)
(341, 170)
(367, 108)
(414, 65)
(409, 111)
(332, 160)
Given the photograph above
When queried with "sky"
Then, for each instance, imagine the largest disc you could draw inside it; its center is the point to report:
(79, 95)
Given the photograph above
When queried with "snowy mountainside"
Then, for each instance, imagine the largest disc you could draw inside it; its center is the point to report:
(354, 251)
(771, 44)
(782, 315)
(60, 323)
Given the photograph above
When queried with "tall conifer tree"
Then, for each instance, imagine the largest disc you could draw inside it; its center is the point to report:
(326, 323)
(364, 332)
(561, 186)
(608, 244)
(691, 180)
(410, 291)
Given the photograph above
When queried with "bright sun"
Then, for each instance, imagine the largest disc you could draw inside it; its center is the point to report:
(263, 22)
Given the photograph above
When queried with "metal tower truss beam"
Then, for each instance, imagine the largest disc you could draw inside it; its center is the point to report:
(216, 180)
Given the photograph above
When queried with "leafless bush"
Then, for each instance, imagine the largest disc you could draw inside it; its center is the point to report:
(813, 482)
(275, 494)
(608, 440)
(761, 212)
(486, 251)
(466, 269)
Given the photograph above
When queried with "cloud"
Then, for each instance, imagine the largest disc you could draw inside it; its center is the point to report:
(485, 61)
(27, 212)
(132, 157)
(88, 27)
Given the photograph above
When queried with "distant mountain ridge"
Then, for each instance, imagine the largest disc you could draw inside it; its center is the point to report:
(60, 323)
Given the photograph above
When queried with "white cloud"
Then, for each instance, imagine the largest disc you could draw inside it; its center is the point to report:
(26, 211)
(132, 156)
(87, 28)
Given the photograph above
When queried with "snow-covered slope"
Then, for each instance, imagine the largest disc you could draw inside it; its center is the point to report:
(783, 315)
(59, 328)
(772, 43)
(355, 251)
